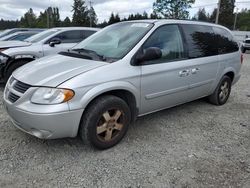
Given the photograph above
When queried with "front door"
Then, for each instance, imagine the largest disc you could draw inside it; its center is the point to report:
(165, 81)
(68, 40)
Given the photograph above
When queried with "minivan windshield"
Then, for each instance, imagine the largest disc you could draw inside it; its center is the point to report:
(115, 41)
(40, 36)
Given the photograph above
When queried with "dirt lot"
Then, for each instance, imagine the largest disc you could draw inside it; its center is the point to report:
(193, 145)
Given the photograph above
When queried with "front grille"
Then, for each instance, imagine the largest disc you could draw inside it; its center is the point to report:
(21, 87)
(15, 89)
(12, 97)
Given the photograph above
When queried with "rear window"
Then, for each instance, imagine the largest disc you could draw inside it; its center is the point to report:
(200, 40)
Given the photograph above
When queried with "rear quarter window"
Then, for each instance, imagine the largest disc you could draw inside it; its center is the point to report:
(225, 41)
(199, 40)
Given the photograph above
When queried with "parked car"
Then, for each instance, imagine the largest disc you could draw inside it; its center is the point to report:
(14, 30)
(19, 36)
(245, 45)
(127, 70)
(43, 44)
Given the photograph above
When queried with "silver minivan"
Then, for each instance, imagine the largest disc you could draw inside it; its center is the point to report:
(126, 70)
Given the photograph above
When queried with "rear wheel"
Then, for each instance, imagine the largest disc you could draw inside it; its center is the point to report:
(222, 92)
(105, 122)
(14, 65)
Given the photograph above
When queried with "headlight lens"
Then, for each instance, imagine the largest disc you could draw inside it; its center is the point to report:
(45, 95)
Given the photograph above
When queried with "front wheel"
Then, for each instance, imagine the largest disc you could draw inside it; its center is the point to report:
(222, 92)
(105, 122)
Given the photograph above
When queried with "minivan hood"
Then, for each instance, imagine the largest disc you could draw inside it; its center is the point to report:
(53, 70)
(13, 44)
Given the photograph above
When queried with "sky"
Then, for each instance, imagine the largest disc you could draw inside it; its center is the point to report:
(14, 9)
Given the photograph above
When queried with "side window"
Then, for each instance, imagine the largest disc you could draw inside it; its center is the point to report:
(168, 39)
(87, 33)
(70, 36)
(225, 41)
(200, 40)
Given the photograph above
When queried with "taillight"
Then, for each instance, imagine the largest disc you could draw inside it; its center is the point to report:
(241, 58)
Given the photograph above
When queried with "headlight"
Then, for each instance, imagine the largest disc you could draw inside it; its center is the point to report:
(45, 95)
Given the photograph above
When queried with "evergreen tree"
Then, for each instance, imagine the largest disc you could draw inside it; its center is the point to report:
(145, 15)
(80, 13)
(114, 18)
(202, 15)
(66, 22)
(92, 16)
(176, 9)
(29, 19)
(49, 18)
(226, 17)
(213, 16)
(243, 21)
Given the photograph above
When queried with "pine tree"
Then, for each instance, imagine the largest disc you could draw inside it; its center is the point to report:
(202, 15)
(80, 13)
(226, 17)
(66, 22)
(29, 19)
(92, 16)
(176, 9)
(114, 18)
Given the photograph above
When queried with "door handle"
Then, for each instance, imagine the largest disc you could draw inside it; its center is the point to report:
(184, 73)
(195, 70)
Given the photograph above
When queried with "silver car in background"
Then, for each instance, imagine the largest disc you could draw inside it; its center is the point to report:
(126, 70)
(17, 53)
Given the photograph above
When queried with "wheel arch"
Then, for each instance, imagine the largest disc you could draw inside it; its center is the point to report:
(17, 58)
(123, 90)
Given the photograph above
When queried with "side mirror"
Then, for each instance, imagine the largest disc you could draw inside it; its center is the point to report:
(54, 41)
(151, 53)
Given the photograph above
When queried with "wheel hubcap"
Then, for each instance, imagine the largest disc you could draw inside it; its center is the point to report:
(224, 91)
(110, 125)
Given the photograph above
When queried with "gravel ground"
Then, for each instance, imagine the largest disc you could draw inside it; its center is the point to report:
(193, 145)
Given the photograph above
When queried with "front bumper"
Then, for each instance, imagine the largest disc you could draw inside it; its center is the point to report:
(43, 121)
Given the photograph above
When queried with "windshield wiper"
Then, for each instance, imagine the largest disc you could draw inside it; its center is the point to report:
(90, 52)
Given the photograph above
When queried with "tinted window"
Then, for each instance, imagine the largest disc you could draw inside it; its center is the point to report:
(200, 40)
(225, 41)
(86, 34)
(42, 35)
(21, 37)
(70, 36)
(169, 40)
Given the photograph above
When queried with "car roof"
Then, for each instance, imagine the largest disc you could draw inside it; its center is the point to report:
(79, 28)
(171, 21)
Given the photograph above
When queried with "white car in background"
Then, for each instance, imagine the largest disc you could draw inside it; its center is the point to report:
(19, 36)
(46, 43)
(245, 45)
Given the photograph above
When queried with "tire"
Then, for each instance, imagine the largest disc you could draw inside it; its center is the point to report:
(13, 66)
(222, 92)
(107, 115)
(244, 50)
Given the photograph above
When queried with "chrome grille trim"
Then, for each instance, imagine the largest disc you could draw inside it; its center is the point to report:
(15, 89)
(21, 87)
